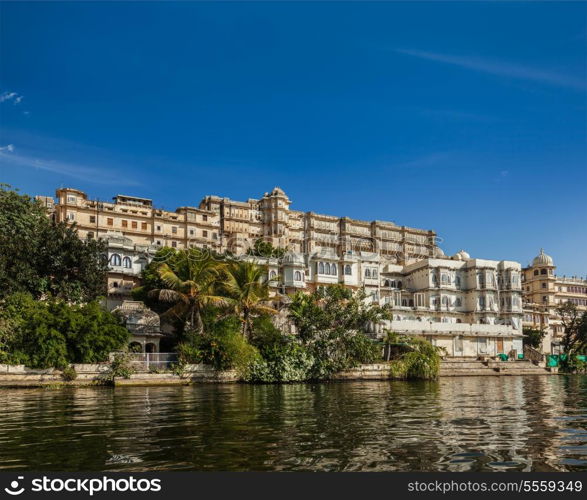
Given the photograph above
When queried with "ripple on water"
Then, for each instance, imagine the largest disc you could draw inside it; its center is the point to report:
(459, 424)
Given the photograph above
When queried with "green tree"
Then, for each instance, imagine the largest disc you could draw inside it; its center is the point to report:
(245, 285)
(263, 248)
(575, 328)
(533, 337)
(189, 284)
(332, 325)
(44, 258)
(53, 334)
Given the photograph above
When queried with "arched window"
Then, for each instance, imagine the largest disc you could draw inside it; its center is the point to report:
(327, 268)
(411, 303)
(445, 301)
(392, 284)
(126, 262)
(367, 273)
(374, 273)
(348, 270)
(535, 272)
(399, 284)
(543, 271)
(333, 270)
(387, 283)
(404, 302)
(444, 279)
(321, 268)
(298, 276)
(458, 302)
(115, 259)
(434, 279)
(272, 275)
(458, 281)
(115, 284)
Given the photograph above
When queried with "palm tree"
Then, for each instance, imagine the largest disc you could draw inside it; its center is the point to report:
(190, 286)
(245, 285)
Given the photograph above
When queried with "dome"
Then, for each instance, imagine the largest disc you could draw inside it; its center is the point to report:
(438, 253)
(542, 259)
(461, 255)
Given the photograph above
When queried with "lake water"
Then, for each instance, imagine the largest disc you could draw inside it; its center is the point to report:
(455, 424)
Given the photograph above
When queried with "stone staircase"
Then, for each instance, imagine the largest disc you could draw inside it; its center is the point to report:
(456, 367)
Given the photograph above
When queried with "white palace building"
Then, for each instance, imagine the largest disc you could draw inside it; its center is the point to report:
(468, 306)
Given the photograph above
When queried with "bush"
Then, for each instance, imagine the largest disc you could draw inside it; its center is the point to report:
(68, 374)
(121, 366)
(422, 361)
(54, 334)
(288, 362)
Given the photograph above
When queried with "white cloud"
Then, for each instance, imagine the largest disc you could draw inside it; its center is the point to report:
(76, 171)
(501, 68)
(7, 96)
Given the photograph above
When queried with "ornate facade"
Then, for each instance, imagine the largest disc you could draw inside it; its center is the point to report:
(468, 306)
(543, 292)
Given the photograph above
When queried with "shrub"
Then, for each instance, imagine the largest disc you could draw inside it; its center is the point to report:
(288, 362)
(422, 361)
(121, 366)
(68, 374)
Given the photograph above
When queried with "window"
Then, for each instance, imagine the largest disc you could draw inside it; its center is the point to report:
(445, 301)
(327, 268)
(191, 232)
(204, 218)
(543, 271)
(174, 229)
(458, 281)
(158, 228)
(458, 302)
(92, 219)
(535, 272)
(174, 244)
(544, 298)
(374, 273)
(544, 285)
(115, 284)
(158, 242)
(134, 224)
(333, 269)
(124, 223)
(90, 235)
(144, 226)
(482, 302)
(70, 216)
(110, 221)
(126, 262)
(272, 275)
(348, 270)
(205, 234)
(387, 283)
(321, 268)
(367, 273)
(399, 284)
(444, 279)
(297, 276)
(434, 279)
(115, 259)
(71, 199)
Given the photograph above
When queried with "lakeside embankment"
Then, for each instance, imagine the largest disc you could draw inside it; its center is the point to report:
(100, 374)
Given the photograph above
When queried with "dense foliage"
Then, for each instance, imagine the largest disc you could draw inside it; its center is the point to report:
(263, 248)
(533, 337)
(418, 359)
(45, 334)
(43, 258)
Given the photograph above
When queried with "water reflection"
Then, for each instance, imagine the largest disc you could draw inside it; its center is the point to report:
(458, 424)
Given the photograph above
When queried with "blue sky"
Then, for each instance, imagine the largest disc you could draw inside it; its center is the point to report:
(469, 119)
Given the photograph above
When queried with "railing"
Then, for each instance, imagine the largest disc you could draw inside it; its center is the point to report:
(533, 354)
(150, 360)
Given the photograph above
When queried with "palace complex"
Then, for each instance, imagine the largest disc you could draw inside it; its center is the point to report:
(467, 305)
(543, 292)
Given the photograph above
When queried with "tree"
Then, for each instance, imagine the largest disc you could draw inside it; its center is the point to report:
(263, 248)
(44, 258)
(575, 328)
(190, 282)
(533, 337)
(332, 325)
(245, 285)
(53, 333)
